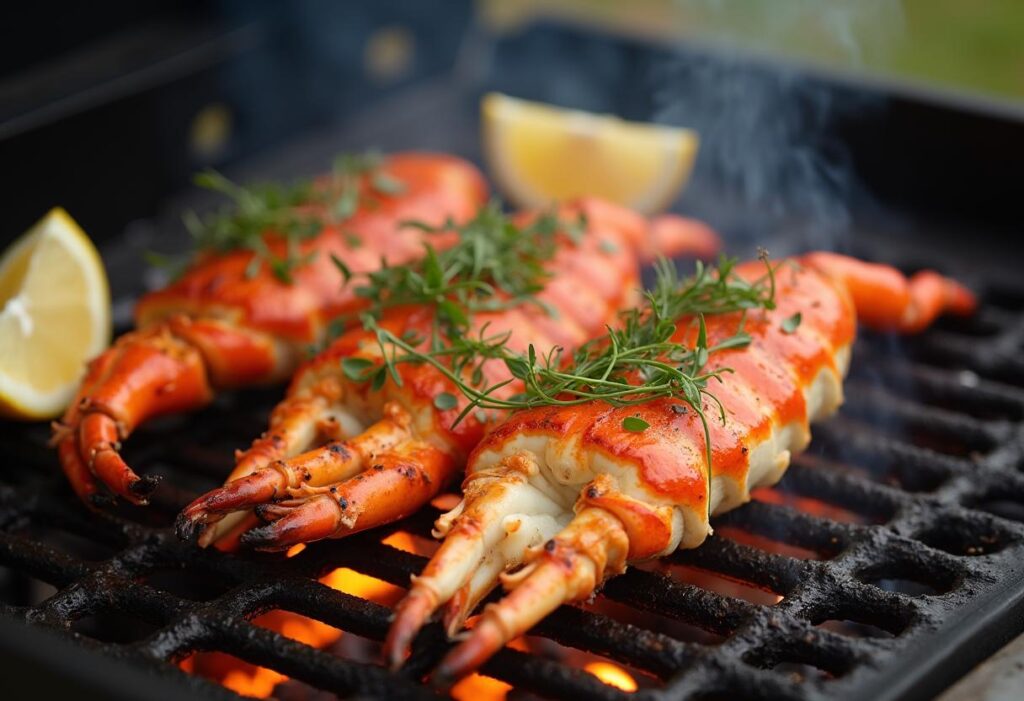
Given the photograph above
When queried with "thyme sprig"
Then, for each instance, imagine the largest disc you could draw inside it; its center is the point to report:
(641, 361)
(293, 212)
(494, 264)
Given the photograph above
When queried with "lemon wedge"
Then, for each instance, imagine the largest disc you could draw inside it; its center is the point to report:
(539, 154)
(54, 316)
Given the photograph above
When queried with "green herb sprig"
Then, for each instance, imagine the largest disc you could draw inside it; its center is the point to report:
(636, 363)
(494, 264)
(294, 212)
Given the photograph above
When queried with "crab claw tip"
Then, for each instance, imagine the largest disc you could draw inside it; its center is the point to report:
(412, 613)
(143, 487)
(187, 527)
(261, 538)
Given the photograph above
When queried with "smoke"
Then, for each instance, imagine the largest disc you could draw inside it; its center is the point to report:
(841, 32)
(769, 142)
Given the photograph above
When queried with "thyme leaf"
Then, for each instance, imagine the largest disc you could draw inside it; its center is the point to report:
(495, 264)
(635, 424)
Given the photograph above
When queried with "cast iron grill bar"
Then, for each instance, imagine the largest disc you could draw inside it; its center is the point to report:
(787, 525)
(548, 678)
(705, 609)
(867, 402)
(315, 667)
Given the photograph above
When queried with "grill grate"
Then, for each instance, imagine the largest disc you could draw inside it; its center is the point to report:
(882, 566)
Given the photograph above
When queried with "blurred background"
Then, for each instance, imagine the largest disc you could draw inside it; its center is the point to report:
(817, 116)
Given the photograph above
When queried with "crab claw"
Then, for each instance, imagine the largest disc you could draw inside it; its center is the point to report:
(165, 368)
(568, 567)
(398, 482)
(281, 477)
(513, 513)
(502, 514)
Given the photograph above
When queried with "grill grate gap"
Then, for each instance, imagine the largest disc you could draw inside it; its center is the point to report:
(117, 627)
(969, 537)
(911, 573)
(21, 590)
(872, 610)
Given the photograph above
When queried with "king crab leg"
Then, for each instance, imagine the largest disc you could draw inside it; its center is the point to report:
(220, 326)
(609, 497)
(312, 496)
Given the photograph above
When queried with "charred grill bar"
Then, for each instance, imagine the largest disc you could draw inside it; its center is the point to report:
(884, 565)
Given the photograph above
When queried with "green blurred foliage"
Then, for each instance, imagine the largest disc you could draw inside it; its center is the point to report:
(973, 45)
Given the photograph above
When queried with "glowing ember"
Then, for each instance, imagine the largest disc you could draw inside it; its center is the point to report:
(477, 687)
(239, 676)
(445, 502)
(401, 541)
(299, 628)
(260, 684)
(612, 675)
(295, 549)
(364, 586)
(407, 542)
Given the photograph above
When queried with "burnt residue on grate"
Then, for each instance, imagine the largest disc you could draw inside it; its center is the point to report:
(884, 564)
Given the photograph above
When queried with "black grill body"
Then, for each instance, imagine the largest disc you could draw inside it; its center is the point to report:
(895, 542)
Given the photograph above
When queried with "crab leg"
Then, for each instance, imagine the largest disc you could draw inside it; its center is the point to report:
(645, 494)
(295, 425)
(568, 567)
(161, 370)
(596, 277)
(221, 327)
(887, 300)
(397, 484)
(336, 461)
(502, 513)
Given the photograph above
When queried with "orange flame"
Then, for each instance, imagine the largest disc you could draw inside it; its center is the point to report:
(235, 674)
(364, 586)
(259, 684)
(407, 542)
(401, 540)
(477, 687)
(612, 675)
